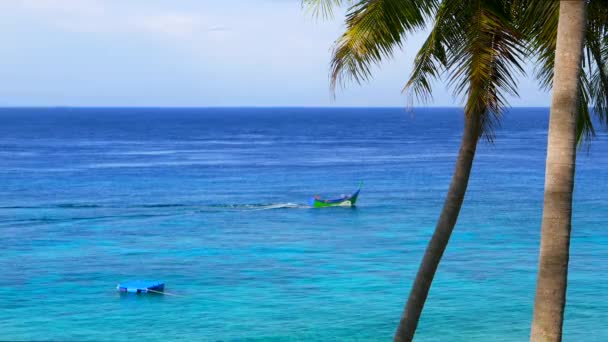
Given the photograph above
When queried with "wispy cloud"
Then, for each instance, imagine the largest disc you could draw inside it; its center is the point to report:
(170, 24)
(83, 7)
(218, 29)
(104, 16)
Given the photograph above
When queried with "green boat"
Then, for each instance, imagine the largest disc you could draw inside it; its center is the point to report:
(344, 201)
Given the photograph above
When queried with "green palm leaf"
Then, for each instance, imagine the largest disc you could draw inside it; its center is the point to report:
(374, 28)
(323, 8)
(481, 50)
(540, 19)
(431, 60)
(597, 53)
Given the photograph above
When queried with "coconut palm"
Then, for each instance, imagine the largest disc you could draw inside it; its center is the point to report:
(475, 45)
(571, 44)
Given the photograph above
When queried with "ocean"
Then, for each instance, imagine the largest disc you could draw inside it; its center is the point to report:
(212, 201)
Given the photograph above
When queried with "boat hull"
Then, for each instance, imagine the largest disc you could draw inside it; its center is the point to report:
(349, 201)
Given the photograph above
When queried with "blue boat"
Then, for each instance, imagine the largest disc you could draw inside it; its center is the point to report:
(141, 286)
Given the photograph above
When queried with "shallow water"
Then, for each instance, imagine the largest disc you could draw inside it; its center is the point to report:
(212, 201)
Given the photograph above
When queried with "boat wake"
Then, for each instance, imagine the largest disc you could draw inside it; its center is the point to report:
(77, 211)
(281, 206)
(254, 207)
(93, 212)
(162, 205)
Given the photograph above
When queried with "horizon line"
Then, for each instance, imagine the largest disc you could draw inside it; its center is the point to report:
(234, 107)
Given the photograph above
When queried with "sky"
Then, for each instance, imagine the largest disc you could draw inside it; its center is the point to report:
(191, 53)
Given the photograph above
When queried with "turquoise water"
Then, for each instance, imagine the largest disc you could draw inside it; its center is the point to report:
(212, 202)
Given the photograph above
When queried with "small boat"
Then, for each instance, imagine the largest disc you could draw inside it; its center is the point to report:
(141, 286)
(342, 201)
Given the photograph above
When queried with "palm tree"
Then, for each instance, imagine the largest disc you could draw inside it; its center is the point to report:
(562, 39)
(559, 177)
(476, 45)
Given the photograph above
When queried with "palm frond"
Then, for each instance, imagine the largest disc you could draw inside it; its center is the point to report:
(431, 59)
(540, 19)
(374, 28)
(428, 65)
(597, 51)
(584, 125)
(539, 24)
(476, 42)
(323, 8)
(484, 65)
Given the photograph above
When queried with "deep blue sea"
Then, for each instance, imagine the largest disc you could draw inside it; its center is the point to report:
(213, 203)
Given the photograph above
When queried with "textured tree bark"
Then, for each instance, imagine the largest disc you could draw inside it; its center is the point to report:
(443, 231)
(559, 175)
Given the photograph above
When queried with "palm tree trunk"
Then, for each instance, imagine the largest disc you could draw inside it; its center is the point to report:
(443, 230)
(559, 175)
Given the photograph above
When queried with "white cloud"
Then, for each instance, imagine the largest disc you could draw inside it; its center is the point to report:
(106, 16)
(170, 24)
(82, 7)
